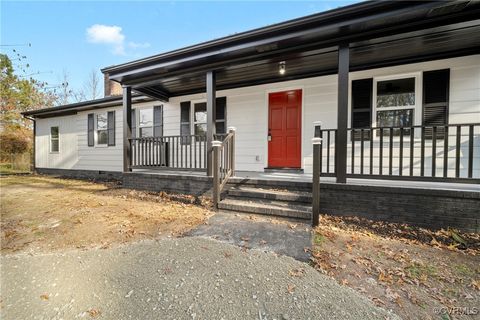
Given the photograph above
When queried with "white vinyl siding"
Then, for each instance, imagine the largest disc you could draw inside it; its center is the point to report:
(247, 110)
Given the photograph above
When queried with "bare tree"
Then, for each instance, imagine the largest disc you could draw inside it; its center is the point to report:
(92, 86)
(64, 91)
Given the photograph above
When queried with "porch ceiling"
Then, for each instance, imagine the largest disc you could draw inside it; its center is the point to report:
(310, 52)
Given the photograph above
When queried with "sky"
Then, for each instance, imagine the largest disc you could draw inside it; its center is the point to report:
(78, 37)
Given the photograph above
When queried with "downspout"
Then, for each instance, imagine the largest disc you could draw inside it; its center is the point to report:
(34, 141)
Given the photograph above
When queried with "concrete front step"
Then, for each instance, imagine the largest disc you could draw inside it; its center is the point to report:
(270, 194)
(270, 184)
(276, 208)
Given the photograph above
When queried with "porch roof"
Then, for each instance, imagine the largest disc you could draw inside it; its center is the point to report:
(73, 108)
(379, 34)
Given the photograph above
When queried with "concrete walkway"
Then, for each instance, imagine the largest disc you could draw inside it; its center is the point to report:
(187, 278)
(277, 235)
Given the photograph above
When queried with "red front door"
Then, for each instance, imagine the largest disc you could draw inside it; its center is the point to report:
(284, 129)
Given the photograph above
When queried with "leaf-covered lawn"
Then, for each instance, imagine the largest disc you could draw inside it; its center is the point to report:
(40, 213)
(418, 273)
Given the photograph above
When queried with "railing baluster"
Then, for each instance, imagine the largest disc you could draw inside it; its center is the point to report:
(390, 153)
(434, 151)
(150, 152)
(422, 153)
(134, 152)
(445, 152)
(321, 153)
(205, 150)
(412, 149)
(457, 152)
(371, 132)
(380, 164)
(352, 136)
(361, 151)
(194, 152)
(182, 144)
(190, 164)
(400, 160)
(176, 151)
(143, 152)
(470, 151)
(328, 151)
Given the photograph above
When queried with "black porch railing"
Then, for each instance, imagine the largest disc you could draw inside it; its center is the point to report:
(430, 153)
(169, 152)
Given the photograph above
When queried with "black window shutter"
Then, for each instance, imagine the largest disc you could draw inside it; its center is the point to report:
(134, 124)
(111, 127)
(221, 115)
(90, 130)
(362, 91)
(185, 125)
(158, 121)
(435, 100)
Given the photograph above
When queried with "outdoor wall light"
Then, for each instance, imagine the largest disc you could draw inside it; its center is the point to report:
(281, 68)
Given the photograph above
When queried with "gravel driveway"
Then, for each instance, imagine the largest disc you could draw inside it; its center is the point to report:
(187, 278)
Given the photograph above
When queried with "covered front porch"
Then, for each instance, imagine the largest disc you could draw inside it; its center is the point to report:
(417, 150)
(336, 43)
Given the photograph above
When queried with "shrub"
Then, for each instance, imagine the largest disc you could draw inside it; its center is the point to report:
(11, 143)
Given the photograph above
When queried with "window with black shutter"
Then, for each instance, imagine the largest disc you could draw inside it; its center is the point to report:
(91, 130)
(134, 123)
(221, 115)
(111, 128)
(435, 101)
(158, 121)
(362, 106)
(185, 121)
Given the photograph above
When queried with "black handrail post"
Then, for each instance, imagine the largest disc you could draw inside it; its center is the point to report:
(211, 115)
(127, 129)
(342, 113)
(317, 147)
(232, 130)
(317, 144)
(216, 145)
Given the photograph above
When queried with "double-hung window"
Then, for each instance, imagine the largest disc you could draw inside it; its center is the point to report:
(395, 102)
(196, 122)
(145, 122)
(200, 118)
(54, 139)
(102, 128)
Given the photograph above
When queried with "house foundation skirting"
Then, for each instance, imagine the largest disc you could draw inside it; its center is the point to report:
(432, 209)
(82, 174)
(193, 185)
(429, 208)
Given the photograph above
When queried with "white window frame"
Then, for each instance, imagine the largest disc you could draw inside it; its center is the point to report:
(417, 107)
(137, 120)
(58, 139)
(192, 115)
(97, 144)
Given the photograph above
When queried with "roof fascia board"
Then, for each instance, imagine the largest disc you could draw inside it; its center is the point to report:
(241, 48)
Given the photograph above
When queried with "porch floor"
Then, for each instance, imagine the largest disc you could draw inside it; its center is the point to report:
(306, 177)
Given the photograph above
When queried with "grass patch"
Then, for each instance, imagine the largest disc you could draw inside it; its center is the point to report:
(464, 270)
(421, 271)
(318, 239)
(7, 168)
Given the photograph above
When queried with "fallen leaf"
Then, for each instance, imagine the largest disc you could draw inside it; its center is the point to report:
(94, 313)
(290, 288)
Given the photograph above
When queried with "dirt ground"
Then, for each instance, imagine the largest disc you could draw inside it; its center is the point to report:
(40, 214)
(417, 273)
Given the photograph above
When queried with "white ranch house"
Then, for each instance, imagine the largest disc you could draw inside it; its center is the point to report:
(392, 88)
